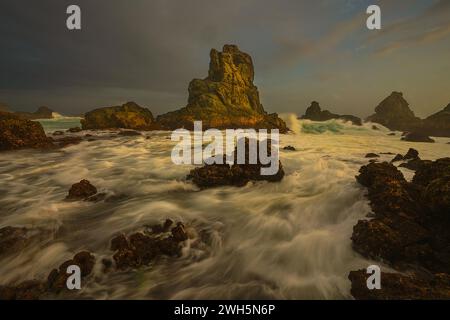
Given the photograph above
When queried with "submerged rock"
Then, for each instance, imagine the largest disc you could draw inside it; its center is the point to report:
(81, 191)
(18, 133)
(142, 248)
(372, 155)
(395, 114)
(289, 148)
(226, 99)
(417, 137)
(315, 113)
(74, 130)
(128, 116)
(56, 281)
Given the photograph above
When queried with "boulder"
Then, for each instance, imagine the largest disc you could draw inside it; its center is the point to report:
(18, 133)
(128, 116)
(226, 99)
(81, 191)
(397, 286)
(315, 113)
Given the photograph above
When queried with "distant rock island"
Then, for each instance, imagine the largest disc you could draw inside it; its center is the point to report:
(40, 113)
(227, 98)
(315, 113)
(127, 116)
(395, 114)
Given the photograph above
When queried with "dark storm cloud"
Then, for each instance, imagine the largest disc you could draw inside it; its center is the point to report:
(149, 50)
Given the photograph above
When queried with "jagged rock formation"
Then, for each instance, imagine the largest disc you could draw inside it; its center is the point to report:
(438, 124)
(395, 114)
(227, 98)
(128, 116)
(40, 113)
(409, 231)
(18, 133)
(315, 113)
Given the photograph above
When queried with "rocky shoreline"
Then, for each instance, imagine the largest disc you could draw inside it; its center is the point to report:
(408, 230)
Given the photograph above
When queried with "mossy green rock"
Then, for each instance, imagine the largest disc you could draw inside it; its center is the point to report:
(227, 98)
(128, 116)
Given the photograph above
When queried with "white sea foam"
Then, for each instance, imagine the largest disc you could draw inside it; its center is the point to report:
(268, 240)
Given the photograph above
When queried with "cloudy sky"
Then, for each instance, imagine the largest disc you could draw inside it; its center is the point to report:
(148, 51)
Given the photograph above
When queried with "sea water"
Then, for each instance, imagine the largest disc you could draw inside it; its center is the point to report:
(286, 240)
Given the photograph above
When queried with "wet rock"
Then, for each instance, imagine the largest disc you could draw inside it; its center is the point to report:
(18, 133)
(128, 116)
(410, 229)
(413, 164)
(226, 99)
(395, 114)
(58, 133)
(289, 148)
(411, 154)
(397, 158)
(417, 137)
(141, 248)
(74, 130)
(81, 191)
(374, 127)
(372, 155)
(56, 280)
(397, 286)
(237, 175)
(27, 290)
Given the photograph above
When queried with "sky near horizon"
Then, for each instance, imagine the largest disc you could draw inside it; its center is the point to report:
(149, 50)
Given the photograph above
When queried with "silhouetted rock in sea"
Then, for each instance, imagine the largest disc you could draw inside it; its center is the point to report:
(395, 114)
(410, 231)
(128, 116)
(81, 191)
(40, 113)
(227, 98)
(438, 124)
(315, 113)
(417, 137)
(18, 133)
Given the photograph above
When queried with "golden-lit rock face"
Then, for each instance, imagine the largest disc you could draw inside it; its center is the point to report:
(227, 98)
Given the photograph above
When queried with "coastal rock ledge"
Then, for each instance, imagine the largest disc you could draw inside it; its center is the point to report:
(226, 99)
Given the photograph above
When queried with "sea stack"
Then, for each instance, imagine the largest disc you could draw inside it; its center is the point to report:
(315, 113)
(395, 114)
(226, 99)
